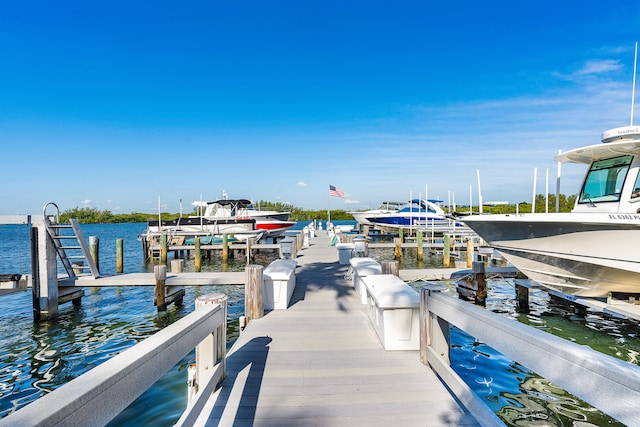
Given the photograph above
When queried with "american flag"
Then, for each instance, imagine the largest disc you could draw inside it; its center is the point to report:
(335, 191)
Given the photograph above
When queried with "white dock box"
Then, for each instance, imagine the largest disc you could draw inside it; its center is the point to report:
(363, 267)
(344, 252)
(279, 283)
(394, 311)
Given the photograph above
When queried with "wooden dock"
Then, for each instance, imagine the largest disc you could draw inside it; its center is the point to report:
(148, 279)
(321, 363)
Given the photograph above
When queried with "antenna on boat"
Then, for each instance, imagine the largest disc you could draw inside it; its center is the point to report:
(633, 90)
(479, 192)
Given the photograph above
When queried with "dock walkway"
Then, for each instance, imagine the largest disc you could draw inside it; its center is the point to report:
(320, 363)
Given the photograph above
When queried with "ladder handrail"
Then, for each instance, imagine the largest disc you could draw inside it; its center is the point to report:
(56, 216)
(85, 250)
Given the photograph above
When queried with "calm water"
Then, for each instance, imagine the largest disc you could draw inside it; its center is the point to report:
(519, 396)
(37, 358)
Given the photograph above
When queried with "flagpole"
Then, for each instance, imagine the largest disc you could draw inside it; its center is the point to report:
(329, 212)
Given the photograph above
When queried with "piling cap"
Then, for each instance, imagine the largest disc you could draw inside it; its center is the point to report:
(212, 298)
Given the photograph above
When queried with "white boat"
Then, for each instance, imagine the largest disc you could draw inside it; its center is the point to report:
(417, 214)
(384, 209)
(189, 227)
(231, 217)
(592, 250)
(271, 223)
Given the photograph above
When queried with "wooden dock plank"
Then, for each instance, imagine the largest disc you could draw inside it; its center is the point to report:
(148, 279)
(320, 363)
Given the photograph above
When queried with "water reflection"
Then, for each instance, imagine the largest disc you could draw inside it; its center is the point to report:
(541, 403)
(37, 358)
(521, 397)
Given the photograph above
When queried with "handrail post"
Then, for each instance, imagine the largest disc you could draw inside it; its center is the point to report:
(434, 331)
(213, 349)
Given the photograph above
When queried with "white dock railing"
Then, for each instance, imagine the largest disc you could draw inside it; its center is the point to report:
(98, 396)
(606, 383)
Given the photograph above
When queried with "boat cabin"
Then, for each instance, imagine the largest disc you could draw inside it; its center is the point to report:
(226, 208)
(612, 183)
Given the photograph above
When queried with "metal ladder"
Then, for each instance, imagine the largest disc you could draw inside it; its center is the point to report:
(76, 240)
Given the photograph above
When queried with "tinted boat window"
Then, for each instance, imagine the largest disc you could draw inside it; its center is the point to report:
(636, 188)
(604, 180)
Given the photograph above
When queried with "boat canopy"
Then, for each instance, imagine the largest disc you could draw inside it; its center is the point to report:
(615, 142)
(235, 202)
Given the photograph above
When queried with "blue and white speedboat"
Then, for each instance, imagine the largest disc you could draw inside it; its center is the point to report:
(384, 209)
(417, 214)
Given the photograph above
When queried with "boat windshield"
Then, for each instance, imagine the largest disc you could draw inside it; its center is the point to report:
(604, 180)
(414, 206)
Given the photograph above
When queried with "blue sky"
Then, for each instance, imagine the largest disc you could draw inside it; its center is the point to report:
(113, 105)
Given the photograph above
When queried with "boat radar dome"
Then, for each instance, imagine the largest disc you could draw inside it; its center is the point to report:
(622, 133)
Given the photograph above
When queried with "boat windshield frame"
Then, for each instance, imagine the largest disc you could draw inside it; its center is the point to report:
(605, 179)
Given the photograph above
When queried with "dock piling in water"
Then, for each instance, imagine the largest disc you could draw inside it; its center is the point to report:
(119, 256)
(197, 255)
(470, 253)
(522, 293)
(446, 256)
(419, 243)
(225, 247)
(398, 245)
(164, 249)
(479, 279)
(160, 272)
(94, 249)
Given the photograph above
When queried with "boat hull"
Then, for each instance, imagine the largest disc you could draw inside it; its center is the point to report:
(371, 217)
(417, 214)
(585, 255)
(274, 228)
(200, 225)
(436, 225)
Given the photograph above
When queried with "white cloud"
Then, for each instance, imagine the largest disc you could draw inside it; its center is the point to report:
(592, 69)
(600, 66)
(86, 202)
(302, 184)
(505, 139)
